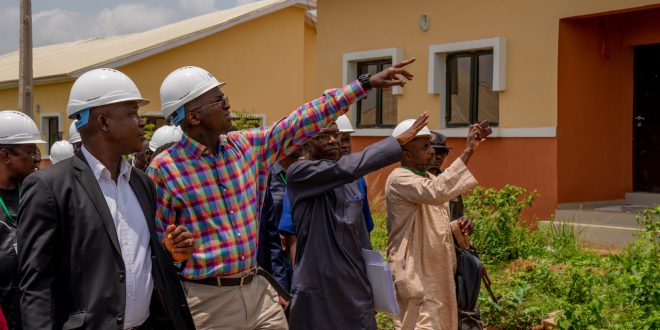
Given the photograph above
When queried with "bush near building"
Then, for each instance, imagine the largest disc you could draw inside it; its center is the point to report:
(546, 272)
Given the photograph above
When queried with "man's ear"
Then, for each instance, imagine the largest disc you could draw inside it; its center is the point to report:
(4, 156)
(406, 155)
(192, 118)
(102, 123)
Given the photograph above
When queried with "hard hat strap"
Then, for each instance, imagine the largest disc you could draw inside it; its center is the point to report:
(178, 116)
(83, 118)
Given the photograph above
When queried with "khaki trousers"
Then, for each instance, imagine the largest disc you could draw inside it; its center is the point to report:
(253, 306)
(425, 314)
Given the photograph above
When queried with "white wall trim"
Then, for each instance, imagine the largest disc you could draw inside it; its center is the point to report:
(349, 70)
(42, 129)
(373, 132)
(438, 61)
(350, 60)
(156, 114)
(60, 124)
(500, 132)
(437, 83)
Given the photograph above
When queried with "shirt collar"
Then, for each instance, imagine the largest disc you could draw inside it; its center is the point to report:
(100, 170)
(195, 148)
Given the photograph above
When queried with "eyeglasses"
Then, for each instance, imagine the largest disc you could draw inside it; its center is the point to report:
(222, 104)
(325, 137)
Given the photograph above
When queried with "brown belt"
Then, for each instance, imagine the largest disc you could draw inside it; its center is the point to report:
(243, 280)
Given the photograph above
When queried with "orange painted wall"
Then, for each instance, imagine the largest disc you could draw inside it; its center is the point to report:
(594, 131)
(526, 162)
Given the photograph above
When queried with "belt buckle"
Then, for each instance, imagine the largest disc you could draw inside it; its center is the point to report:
(243, 280)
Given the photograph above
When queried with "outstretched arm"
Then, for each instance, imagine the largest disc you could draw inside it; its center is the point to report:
(291, 132)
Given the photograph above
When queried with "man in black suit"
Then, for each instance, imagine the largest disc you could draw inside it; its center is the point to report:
(89, 256)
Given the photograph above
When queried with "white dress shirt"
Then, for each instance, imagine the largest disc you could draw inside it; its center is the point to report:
(133, 235)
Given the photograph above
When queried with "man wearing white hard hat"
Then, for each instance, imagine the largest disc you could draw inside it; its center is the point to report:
(164, 135)
(19, 137)
(345, 148)
(216, 187)
(74, 137)
(286, 226)
(88, 251)
(60, 151)
(420, 246)
(332, 290)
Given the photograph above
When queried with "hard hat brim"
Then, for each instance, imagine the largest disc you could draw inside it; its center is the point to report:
(35, 141)
(141, 102)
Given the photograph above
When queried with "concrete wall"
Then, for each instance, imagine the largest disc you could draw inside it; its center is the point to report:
(595, 93)
(530, 101)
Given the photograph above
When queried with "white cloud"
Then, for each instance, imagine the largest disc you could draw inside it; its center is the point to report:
(198, 7)
(127, 18)
(9, 28)
(61, 25)
(56, 25)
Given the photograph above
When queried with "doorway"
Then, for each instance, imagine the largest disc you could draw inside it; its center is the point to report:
(646, 119)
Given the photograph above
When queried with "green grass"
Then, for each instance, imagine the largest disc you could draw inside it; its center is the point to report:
(544, 271)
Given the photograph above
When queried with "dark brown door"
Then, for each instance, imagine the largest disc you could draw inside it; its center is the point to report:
(646, 119)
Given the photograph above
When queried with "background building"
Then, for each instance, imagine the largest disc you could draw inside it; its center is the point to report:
(572, 85)
(265, 51)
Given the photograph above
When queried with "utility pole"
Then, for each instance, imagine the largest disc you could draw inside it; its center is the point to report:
(25, 60)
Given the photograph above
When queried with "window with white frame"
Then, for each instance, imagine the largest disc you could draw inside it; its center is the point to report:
(51, 129)
(468, 76)
(378, 111)
(470, 95)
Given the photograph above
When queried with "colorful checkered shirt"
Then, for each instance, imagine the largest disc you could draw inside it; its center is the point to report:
(219, 198)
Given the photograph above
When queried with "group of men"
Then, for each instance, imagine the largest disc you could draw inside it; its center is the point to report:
(96, 243)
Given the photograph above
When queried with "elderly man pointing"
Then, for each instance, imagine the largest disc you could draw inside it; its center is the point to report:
(213, 181)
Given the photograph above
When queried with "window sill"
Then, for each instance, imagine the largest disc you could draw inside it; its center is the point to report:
(373, 132)
(540, 132)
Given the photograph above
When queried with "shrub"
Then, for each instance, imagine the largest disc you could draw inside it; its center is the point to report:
(245, 120)
(497, 234)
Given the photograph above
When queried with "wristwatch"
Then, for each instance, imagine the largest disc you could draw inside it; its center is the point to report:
(364, 81)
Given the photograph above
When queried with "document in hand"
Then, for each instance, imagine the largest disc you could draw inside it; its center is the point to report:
(382, 284)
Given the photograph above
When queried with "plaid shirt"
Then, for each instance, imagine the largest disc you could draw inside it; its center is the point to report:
(219, 198)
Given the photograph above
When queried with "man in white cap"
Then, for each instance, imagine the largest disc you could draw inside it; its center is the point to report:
(421, 247)
(88, 253)
(60, 151)
(214, 181)
(19, 137)
(330, 285)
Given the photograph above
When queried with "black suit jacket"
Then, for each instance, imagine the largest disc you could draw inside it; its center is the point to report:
(72, 273)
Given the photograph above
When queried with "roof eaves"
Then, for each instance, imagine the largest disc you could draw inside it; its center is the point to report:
(170, 44)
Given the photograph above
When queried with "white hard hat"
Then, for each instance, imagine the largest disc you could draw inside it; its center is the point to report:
(100, 87)
(60, 151)
(344, 124)
(182, 86)
(17, 128)
(163, 135)
(74, 136)
(406, 124)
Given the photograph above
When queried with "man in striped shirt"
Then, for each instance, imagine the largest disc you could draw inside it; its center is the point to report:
(213, 182)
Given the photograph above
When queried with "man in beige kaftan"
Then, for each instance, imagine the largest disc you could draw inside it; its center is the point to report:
(420, 247)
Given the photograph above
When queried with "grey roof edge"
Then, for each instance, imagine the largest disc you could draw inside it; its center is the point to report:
(165, 46)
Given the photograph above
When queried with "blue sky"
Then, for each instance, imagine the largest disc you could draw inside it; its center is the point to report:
(67, 20)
